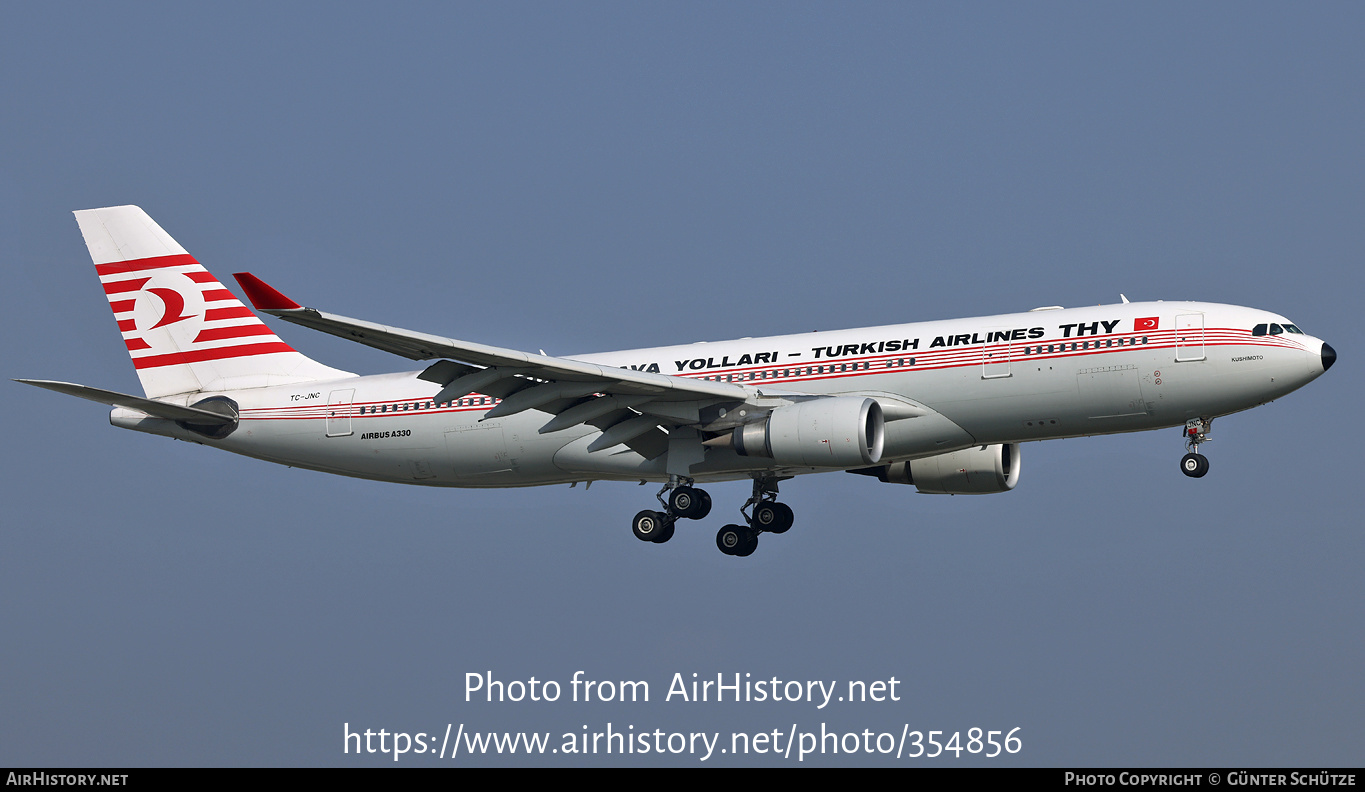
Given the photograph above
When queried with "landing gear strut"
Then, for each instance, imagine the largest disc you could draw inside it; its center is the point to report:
(1196, 431)
(684, 501)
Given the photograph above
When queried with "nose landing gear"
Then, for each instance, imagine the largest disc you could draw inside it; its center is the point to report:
(1196, 431)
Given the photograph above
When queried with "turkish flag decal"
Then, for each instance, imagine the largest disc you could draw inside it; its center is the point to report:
(1146, 323)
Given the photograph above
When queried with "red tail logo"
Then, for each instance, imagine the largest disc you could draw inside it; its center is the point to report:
(174, 304)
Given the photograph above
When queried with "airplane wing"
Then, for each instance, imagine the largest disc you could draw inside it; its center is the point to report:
(627, 405)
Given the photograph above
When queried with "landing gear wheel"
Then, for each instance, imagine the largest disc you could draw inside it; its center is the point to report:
(773, 517)
(736, 540)
(1194, 465)
(652, 526)
(689, 502)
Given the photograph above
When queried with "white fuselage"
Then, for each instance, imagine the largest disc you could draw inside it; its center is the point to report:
(1038, 375)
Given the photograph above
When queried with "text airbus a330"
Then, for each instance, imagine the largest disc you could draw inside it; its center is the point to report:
(941, 405)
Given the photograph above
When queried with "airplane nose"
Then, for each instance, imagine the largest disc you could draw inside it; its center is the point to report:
(1329, 355)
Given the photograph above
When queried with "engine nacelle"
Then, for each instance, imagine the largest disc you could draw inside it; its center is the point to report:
(972, 471)
(840, 431)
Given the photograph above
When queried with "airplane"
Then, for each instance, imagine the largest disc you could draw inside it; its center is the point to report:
(942, 406)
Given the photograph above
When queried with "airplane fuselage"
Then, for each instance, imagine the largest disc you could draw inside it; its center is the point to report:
(946, 385)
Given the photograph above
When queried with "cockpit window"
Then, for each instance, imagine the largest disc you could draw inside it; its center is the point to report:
(1293, 329)
(1258, 330)
(1275, 329)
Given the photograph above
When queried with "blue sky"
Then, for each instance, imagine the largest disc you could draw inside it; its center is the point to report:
(586, 177)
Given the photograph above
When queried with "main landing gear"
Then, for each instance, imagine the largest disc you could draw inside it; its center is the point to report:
(1196, 431)
(768, 516)
(687, 502)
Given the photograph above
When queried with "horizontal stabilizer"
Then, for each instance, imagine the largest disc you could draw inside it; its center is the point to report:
(156, 409)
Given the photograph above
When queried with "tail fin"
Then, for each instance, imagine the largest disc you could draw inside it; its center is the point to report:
(184, 331)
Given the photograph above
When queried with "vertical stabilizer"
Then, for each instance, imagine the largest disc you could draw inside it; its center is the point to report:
(183, 329)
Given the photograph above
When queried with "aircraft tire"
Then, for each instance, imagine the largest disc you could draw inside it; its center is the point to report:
(705, 505)
(648, 526)
(667, 532)
(773, 517)
(732, 539)
(689, 502)
(1194, 465)
(785, 518)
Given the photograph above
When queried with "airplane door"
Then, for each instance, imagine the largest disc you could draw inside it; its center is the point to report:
(1189, 331)
(339, 412)
(995, 360)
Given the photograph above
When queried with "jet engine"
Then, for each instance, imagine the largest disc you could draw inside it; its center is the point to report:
(972, 471)
(840, 431)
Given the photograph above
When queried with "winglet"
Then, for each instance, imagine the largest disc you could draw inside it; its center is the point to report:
(262, 295)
